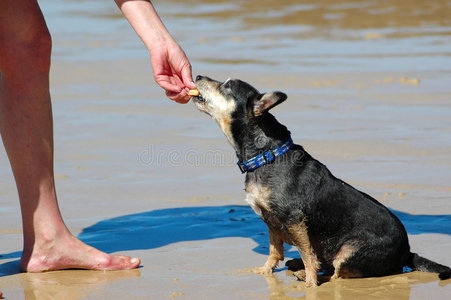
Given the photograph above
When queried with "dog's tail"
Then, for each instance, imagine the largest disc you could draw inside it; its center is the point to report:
(419, 263)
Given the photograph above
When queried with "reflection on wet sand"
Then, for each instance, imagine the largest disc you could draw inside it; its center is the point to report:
(389, 287)
(74, 284)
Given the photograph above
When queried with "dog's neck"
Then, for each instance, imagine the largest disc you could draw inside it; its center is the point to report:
(259, 135)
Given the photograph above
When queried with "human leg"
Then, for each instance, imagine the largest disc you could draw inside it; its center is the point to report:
(27, 132)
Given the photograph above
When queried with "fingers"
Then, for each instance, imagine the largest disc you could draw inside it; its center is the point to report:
(174, 76)
(174, 92)
(176, 89)
(166, 84)
(181, 97)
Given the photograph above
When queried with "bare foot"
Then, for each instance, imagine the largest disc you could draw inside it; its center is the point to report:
(71, 253)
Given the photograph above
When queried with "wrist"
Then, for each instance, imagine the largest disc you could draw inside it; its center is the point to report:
(146, 23)
(158, 41)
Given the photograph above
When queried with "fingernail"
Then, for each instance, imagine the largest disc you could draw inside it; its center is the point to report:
(134, 260)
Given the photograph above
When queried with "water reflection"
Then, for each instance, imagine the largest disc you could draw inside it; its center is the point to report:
(388, 287)
(73, 284)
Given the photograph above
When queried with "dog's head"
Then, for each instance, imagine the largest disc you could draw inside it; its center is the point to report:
(234, 103)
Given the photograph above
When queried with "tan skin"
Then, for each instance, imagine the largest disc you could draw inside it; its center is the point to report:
(26, 126)
(171, 68)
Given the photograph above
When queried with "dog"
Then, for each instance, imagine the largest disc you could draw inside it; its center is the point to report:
(337, 229)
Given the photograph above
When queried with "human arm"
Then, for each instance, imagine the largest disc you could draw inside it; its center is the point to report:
(171, 67)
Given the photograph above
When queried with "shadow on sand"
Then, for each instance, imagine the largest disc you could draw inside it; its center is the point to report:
(158, 228)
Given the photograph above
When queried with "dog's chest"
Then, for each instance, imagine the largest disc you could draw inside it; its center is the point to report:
(258, 197)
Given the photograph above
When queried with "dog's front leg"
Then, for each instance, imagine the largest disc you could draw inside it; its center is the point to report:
(301, 239)
(275, 254)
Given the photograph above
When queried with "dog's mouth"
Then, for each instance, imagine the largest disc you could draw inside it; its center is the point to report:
(201, 103)
(198, 99)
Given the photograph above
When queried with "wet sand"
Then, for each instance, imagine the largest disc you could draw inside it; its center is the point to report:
(140, 175)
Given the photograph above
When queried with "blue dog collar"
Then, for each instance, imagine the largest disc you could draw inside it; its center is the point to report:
(265, 157)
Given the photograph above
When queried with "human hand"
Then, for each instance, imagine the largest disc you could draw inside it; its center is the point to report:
(172, 70)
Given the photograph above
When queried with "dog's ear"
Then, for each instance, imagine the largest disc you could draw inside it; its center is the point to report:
(267, 101)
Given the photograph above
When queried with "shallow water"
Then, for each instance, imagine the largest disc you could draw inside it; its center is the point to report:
(276, 35)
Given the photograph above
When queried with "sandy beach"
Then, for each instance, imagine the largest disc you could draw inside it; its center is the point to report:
(140, 175)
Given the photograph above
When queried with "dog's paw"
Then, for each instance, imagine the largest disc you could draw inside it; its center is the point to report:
(263, 270)
(311, 283)
(300, 275)
(334, 277)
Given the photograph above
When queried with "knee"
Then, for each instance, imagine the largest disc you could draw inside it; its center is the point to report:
(29, 51)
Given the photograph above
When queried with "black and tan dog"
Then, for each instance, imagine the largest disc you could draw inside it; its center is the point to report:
(338, 229)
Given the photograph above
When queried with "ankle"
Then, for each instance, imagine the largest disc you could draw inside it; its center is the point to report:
(43, 239)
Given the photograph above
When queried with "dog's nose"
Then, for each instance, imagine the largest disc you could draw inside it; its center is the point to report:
(198, 77)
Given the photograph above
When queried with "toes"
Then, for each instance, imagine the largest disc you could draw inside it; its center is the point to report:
(120, 262)
(71, 253)
(134, 263)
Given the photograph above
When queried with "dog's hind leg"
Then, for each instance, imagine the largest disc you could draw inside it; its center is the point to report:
(298, 233)
(275, 254)
(339, 262)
